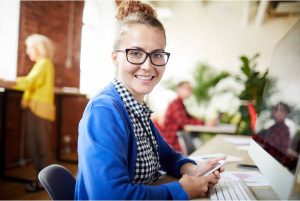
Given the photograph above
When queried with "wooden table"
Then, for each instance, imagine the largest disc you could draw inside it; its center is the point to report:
(69, 109)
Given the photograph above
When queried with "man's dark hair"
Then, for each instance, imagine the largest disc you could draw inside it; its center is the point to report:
(285, 106)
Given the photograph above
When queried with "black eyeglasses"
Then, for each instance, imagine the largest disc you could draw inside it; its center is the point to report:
(135, 56)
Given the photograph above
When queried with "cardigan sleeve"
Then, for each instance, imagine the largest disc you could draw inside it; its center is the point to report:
(35, 76)
(104, 147)
(170, 159)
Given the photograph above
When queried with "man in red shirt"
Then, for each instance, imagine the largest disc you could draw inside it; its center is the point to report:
(277, 137)
(177, 117)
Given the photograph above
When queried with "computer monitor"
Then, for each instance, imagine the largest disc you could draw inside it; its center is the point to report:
(275, 144)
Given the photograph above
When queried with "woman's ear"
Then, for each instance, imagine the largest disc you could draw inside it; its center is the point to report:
(114, 57)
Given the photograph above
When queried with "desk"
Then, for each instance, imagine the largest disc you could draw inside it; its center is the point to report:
(11, 123)
(217, 145)
(222, 128)
(190, 133)
(70, 106)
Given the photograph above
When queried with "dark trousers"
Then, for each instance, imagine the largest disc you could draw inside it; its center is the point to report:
(38, 132)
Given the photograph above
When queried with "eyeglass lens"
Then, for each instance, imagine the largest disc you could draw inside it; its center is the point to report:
(139, 57)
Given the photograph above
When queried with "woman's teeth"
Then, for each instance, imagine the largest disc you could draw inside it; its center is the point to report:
(144, 77)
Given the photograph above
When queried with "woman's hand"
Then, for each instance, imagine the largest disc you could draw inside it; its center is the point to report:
(196, 170)
(198, 186)
(6, 83)
(213, 161)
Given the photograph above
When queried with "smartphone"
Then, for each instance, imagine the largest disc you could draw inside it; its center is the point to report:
(213, 168)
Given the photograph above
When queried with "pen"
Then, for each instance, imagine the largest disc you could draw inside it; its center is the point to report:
(247, 166)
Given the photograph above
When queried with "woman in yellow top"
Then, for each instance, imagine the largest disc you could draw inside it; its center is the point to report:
(37, 101)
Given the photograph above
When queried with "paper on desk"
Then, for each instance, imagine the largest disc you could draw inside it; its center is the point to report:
(237, 141)
(251, 178)
(243, 147)
(229, 158)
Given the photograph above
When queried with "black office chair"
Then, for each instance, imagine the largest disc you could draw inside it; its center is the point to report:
(58, 182)
(186, 142)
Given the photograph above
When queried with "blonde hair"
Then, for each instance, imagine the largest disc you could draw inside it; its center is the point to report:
(42, 44)
(135, 12)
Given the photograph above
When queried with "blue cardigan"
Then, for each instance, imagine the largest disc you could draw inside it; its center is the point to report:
(107, 153)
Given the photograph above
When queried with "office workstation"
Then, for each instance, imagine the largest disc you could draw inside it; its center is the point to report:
(225, 144)
(274, 145)
(240, 88)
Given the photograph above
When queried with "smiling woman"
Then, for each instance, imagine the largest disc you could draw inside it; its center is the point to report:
(120, 150)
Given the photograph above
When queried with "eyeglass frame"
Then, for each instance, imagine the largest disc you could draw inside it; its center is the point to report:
(147, 55)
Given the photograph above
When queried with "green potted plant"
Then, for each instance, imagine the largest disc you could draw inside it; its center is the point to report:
(251, 96)
(206, 79)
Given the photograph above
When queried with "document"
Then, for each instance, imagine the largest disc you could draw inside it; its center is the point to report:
(250, 178)
(237, 141)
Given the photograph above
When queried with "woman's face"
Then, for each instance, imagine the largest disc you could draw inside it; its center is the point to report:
(139, 79)
(32, 52)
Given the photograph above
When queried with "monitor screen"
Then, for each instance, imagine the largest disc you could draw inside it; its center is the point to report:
(275, 143)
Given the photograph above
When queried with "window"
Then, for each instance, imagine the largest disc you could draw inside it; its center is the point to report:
(96, 67)
(9, 37)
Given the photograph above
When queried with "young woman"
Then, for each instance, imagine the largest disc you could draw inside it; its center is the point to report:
(37, 101)
(120, 151)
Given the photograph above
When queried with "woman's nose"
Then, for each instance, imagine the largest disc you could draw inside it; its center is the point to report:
(147, 64)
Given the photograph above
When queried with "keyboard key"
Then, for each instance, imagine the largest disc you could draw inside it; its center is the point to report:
(230, 190)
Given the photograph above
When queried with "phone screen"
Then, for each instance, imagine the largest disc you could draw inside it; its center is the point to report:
(213, 168)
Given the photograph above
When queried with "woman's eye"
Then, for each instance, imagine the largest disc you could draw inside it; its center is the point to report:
(157, 55)
(135, 53)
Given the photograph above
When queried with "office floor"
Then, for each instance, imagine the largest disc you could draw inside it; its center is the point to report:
(15, 191)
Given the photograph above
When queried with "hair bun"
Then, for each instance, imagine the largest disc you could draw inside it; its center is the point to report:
(127, 7)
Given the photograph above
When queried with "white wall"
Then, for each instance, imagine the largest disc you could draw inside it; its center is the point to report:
(213, 33)
(9, 33)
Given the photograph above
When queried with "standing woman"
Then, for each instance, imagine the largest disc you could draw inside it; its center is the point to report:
(37, 102)
(120, 151)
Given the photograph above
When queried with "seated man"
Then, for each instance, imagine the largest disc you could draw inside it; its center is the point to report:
(277, 132)
(277, 137)
(177, 117)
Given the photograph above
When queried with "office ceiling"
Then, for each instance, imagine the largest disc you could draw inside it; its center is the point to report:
(263, 8)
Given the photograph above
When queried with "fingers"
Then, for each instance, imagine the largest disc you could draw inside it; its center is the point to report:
(210, 177)
(222, 169)
(197, 186)
(211, 185)
(215, 160)
(217, 174)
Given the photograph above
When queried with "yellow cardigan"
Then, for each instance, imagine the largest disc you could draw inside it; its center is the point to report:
(38, 87)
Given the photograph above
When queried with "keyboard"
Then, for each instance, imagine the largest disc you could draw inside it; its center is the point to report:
(231, 190)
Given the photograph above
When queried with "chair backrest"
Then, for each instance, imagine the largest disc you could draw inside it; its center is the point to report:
(186, 142)
(253, 116)
(58, 182)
